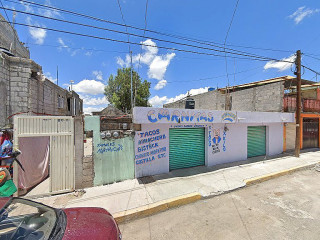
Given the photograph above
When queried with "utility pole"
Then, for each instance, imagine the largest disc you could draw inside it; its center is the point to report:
(298, 101)
(131, 83)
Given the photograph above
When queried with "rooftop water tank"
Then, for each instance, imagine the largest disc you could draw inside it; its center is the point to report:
(211, 89)
(190, 103)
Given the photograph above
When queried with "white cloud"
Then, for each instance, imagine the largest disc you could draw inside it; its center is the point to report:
(27, 7)
(161, 84)
(89, 110)
(74, 52)
(301, 13)
(157, 64)
(88, 54)
(281, 66)
(48, 12)
(157, 101)
(89, 87)
(50, 77)
(62, 44)
(37, 34)
(98, 75)
(94, 101)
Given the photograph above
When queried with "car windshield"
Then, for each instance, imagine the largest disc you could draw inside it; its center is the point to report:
(23, 219)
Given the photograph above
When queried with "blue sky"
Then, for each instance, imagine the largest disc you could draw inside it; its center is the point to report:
(286, 25)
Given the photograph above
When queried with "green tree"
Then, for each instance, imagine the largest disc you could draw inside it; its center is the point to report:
(118, 91)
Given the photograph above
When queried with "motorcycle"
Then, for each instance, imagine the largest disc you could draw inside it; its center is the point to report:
(7, 186)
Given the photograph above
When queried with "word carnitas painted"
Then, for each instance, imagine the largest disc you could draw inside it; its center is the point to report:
(179, 116)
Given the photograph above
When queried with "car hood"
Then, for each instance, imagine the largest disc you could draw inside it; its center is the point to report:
(90, 223)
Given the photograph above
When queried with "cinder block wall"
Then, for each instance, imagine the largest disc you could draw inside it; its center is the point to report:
(265, 98)
(4, 90)
(9, 40)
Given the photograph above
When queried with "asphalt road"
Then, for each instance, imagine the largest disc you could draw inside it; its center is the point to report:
(287, 207)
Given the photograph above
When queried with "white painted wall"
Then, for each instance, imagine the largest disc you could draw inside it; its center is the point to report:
(235, 141)
(160, 164)
(275, 138)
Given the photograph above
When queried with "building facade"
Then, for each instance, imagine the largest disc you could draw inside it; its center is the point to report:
(272, 95)
(170, 139)
(23, 87)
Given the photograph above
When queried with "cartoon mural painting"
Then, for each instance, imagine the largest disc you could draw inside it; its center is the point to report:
(215, 141)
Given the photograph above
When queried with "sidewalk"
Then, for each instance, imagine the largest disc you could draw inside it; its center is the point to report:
(207, 181)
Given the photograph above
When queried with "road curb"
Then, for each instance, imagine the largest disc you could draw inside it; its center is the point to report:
(269, 176)
(156, 207)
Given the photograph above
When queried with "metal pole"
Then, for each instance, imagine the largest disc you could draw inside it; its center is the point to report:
(57, 76)
(298, 102)
(131, 82)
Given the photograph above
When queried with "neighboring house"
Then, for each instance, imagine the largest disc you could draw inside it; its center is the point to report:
(23, 87)
(109, 111)
(272, 95)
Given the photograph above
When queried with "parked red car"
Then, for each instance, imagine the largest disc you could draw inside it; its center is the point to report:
(25, 219)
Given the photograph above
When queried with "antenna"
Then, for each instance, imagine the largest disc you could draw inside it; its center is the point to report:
(14, 31)
(57, 75)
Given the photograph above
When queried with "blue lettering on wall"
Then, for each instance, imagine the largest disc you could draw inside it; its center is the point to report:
(148, 148)
(179, 117)
(109, 147)
(224, 140)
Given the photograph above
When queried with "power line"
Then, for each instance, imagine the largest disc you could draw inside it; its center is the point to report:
(224, 46)
(220, 76)
(138, 28)
(137, 35)
(308, 55)
(134, 43)
(124, 23)
(76, 48)
(144, 32)
(310, 69)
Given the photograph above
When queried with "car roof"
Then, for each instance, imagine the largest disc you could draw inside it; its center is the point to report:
(3, 201)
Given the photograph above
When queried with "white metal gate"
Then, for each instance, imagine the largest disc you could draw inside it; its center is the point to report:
(61, 133)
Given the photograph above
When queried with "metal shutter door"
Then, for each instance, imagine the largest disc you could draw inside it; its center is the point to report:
(186, 147)
(256, 144)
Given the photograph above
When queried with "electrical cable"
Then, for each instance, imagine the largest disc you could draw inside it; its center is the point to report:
(220, 76)
(134, 43)
(138, 28)
(145, 26)
(225, 54)
(144, 32)
(137, 35)
(124, 24)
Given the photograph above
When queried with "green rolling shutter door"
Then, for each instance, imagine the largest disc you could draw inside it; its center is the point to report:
(256, 144)
(186, 147)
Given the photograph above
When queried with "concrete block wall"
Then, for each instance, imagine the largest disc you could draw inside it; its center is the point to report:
(20, 74)
(209, 100)
(265, 98)
(9, 40)
(4, 90)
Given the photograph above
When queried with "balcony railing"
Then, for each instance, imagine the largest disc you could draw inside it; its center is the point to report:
(289, 104)
(311, 105)
(308, 105)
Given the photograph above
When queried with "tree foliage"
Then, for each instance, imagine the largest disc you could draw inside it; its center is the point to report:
(118, 91)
